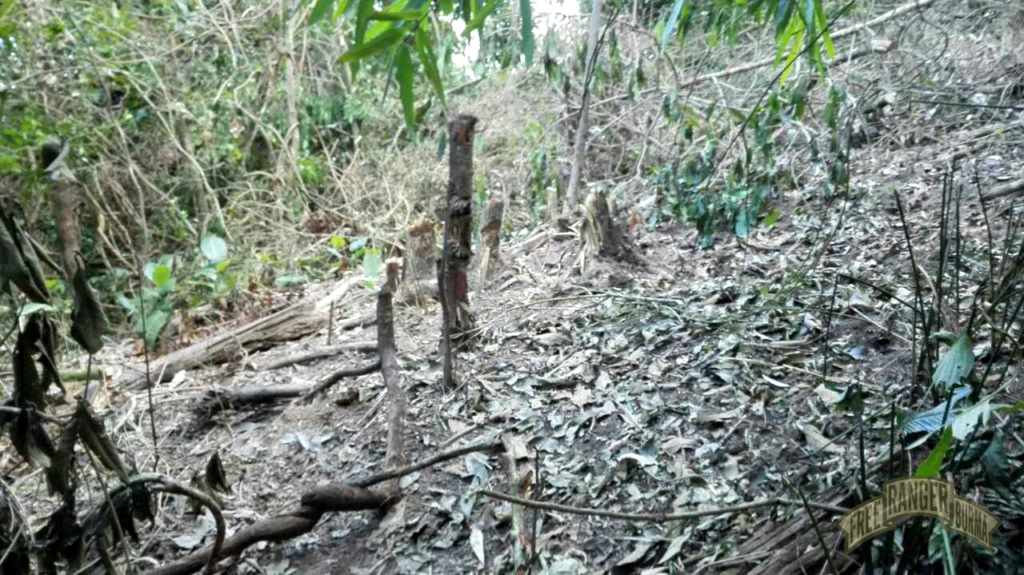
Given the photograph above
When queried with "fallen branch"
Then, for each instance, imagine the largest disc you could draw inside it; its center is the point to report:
(329, 351)
(218, 399)
(337, 376)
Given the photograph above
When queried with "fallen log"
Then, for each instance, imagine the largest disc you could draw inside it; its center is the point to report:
(218, 399)
(288, 324)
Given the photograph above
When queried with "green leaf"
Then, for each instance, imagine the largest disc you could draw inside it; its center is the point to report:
(670, 27)
(480, 17)
(772, 218)
(526, 16)
(342, 6)
(429, 62)
(965, 423)
(161, 275)
(933, 463)
(320, 10)
(446, 6)
(956, 365)
(783, 14)
(1006, 409)
(467, 10)
(404, 74)
(379, 44)
(338, 242)
(371, 264)
(34, 307)
(156, 320)
(397, 16)
(214, 248)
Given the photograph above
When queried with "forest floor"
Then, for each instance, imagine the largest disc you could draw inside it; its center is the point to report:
(704, 379)
(695, 382)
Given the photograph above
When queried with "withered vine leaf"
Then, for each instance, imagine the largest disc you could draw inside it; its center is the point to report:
(95, 437)
(88, 320)
(31, 440)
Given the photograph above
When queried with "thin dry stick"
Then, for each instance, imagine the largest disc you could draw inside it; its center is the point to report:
(657, 517)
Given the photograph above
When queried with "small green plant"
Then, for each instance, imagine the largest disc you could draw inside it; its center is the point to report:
(155, 307)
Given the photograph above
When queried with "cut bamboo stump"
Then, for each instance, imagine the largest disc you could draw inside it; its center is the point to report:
(419, 274)
(603, 236)
(490, 229)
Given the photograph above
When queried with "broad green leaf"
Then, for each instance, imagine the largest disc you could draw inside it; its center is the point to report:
(378, 44)
(479, 17)
(214, 248)
(670, 27)
(467, 10)
(965, 423)
(404, 74)
(429, 62)
(770, 220)
(155, 321)
(320, 10)
(526, 16)
(956, 365)
(933, 463)
(996, 462)
(5, 9)
(446, 6)
(161, 275)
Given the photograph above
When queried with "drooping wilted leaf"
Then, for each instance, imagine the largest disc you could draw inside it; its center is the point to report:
(31, 440)
(61, 538)
(88, 320)
(215, 476)
(27, 387)
(60, 469)
(18, 262)
(95, 437)
(956, 365)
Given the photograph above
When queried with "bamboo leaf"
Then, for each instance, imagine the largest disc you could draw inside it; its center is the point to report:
(670, 26)
(383, 42)
(320, 10)
(404, 73)
(933, 463)
(397, 16)
(429, 62)
(480, 17)
(526, 15)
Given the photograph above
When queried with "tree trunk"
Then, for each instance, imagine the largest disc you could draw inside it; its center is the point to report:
(580, 149)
